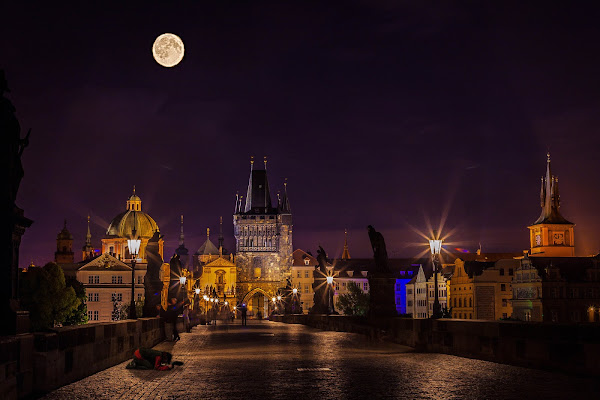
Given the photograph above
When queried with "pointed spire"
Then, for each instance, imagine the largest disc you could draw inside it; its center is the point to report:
(265, 161)
(237, 202)
(221, 234)
(346, 253)
(285, 201)
(550, 198)
(181, 236)
(88, 236)
(258, 195)
(207, 233)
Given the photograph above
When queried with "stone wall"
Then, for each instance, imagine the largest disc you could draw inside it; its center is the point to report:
(33, 364)
(571, 348)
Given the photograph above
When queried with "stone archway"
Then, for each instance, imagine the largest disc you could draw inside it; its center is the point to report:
(257, 300)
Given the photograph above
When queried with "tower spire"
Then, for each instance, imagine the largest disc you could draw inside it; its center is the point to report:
(346, 253)
(221, 234)
(181, 236)
(88, 236)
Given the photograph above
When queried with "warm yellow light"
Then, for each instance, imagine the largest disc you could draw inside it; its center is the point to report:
(273, 299)
(295, 291)
(182, 280)
(197, 290)
(278, 297)
(330, 279)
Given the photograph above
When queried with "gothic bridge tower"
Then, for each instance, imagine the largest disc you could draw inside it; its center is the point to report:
(551, 235)
(263, 236)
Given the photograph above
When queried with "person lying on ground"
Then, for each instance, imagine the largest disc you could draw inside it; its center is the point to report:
(152, 359)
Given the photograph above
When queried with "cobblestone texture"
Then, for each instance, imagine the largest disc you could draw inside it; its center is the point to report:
(267, 360)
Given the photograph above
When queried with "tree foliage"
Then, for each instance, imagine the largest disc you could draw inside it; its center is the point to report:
(355, 302)
(79, 315)
(46, 296)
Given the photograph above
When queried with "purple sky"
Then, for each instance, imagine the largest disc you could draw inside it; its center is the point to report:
(376, 113)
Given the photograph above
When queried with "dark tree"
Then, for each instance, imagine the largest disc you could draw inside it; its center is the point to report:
(355, 302)
(46, 296)
(79, 315)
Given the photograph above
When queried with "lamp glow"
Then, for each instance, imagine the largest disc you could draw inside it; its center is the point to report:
(197, 290)
(182, 280)
(329, 280)
(295, 291)
(273, 299)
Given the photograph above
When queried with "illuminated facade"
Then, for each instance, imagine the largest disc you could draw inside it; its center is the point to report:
(551, 235)
(263, 237)
(482, 289)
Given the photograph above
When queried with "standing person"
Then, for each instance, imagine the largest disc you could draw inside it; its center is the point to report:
(244, 311)
(173, 310)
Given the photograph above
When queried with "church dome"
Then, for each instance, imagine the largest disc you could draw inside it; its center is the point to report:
(133, 217)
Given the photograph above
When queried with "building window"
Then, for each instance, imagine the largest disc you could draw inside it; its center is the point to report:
(365, 286)
(511, 272)
(93, 315)
(94, 279)
(140, 279)
(140, 296)
(298, 274)
(306, 261)
(306, 288)
(337, 286)
(117, 297)
(306, 274)
(504, 303)
(117, 279)
(501, 271)
(503, 287)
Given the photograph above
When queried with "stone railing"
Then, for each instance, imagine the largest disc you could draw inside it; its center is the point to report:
(39, 362)
(571, 348)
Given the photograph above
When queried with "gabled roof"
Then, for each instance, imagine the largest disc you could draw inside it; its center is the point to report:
(105, 262)
(220, 262)
(299, 256)
(550, 200)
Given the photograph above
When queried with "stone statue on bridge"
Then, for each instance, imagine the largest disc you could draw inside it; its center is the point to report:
(320, 297)
(153, 285)
(382, 296)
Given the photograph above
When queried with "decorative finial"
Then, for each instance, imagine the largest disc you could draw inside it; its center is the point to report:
(251, 161)
(265, 161)
(285, 183)
(207, 233)
(548, 155)
(134, 189)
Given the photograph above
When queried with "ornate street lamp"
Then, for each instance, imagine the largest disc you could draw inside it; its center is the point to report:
(435, 244)
(329, 293)
(133, 243)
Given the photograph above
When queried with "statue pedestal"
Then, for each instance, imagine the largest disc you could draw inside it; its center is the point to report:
(382, 295)
(14, 319)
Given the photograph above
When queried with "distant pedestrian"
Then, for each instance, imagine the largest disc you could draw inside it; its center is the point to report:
(173, 310)
(244, 312)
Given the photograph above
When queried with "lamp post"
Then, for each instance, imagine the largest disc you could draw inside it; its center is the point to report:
(435, 245)
(133, 243)
(329, 294)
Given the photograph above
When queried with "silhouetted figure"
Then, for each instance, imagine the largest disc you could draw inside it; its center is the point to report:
(152, 283)
(379, 250)
(244, 312)
(173, 311)
(320, 299)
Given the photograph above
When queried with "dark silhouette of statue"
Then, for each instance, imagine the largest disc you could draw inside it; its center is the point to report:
(15, 320)
(382, 300)
(153, 285)
(11, 132)
(379, 250)
(320, 297)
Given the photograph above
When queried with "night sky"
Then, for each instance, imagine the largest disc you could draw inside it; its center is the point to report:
(376, 113)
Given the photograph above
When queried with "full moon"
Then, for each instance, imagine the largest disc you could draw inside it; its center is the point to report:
(168, 50)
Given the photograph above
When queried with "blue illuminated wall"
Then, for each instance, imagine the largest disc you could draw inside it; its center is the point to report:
(400, 288)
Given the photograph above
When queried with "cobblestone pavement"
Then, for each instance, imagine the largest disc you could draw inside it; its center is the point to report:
(269, 360)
